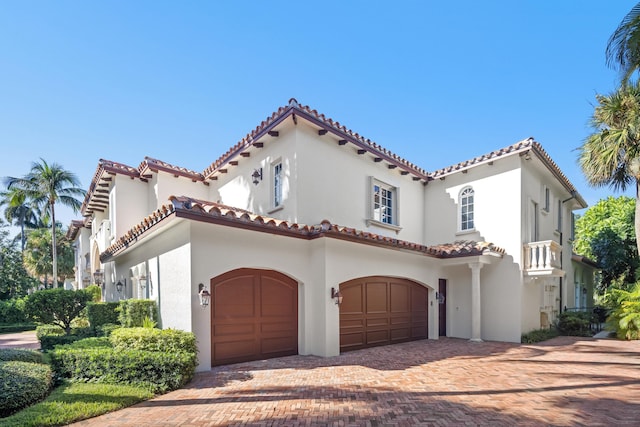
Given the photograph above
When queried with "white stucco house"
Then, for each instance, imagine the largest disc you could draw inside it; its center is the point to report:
(312, 239)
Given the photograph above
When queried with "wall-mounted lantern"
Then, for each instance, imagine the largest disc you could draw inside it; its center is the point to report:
(98, 277)
(257, 176)
(143, 281)
(336, 295)
(204, 295)
(584, 291)
(121, 284)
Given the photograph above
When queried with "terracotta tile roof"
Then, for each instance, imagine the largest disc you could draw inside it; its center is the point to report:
(156, 165)
(201, 210)
(584, 260)
(74, 228)
(521, 147)
(297, 110)
(105, 167)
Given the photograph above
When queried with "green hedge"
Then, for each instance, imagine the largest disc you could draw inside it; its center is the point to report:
(151, 339)
(17, 327)
(158, 371)
(101, 313)
(22, 384)
(12, 311)
(134, 311)
(20, 355)
(575, 324)
(51, 336)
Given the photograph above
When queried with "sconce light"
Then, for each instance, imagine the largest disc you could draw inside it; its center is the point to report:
(584, 291)
(98, 277)
(143, 281)
(204, 295)
(440, 298)
(120, 285)
(257, 176)
(336, 295)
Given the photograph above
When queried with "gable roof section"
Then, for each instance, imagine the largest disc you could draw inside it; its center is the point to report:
(522, 148)
(95, 198)
(155, 165)
(205, 211)
(345, 136)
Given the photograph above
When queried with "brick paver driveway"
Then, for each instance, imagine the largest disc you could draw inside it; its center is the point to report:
(564, 382)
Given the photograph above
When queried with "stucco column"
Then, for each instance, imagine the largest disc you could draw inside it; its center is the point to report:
(475, 302)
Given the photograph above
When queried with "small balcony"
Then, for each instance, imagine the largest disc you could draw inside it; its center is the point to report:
(543, 259)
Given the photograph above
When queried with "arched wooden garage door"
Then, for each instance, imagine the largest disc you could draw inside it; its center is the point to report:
(254, 315)
(382, 310)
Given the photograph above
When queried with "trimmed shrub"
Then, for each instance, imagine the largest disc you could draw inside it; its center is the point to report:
(102, 313)
(158, 371)
(95, 292)
(22, 384)
(52, 335)
(132, 312)
(149, 339)
(17, 327)
(538, 335)
(575, 324)
(12, 311)
(106, 329)
(57, 306)
(20, 355)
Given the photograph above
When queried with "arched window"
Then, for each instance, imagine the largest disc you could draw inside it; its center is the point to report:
(466, 209)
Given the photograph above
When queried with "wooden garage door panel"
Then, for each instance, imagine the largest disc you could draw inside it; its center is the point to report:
(382, 310)
(254, 316)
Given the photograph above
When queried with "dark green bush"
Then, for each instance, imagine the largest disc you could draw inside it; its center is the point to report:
(44, 330)
(158, 371)
(538, 335)
(20, 355)
(101, 313)
(151, 339)
(22, 384)
(575, 324)
(51, 336)
(106, 329)
(17, 327)
(12, 311)
(95, 292)
(134, 311)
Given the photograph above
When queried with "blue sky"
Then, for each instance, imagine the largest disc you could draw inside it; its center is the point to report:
(435, 82)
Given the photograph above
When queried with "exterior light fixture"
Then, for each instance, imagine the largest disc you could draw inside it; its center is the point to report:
(143, 281)
(120, 285)
(336, 295)
(204, 295)
(257, 176)
(584, 291)
(98, 277)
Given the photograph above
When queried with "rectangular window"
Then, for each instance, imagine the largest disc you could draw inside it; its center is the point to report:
(547, 199)
(384, 204)
(560, 216)
(277, 184)
(466, 209)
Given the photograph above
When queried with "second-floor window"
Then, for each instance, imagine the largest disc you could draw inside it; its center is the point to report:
(467, 209)
(277, 184)
(384, 203)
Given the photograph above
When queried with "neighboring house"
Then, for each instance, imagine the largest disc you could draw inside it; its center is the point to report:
(303, 213)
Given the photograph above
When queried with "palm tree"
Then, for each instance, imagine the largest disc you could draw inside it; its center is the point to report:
(623, 47)
(610, 156)
(45, 185)
(19, 212)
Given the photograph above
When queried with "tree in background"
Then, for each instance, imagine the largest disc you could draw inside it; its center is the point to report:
(57, 306)
(19, 212)
(623, 47)
(606, 234)
(610, 156)
(37, 255)
(14, 279)
(45, 185)
(625, 316)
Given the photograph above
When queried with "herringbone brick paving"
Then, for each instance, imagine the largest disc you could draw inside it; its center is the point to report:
(566, 381)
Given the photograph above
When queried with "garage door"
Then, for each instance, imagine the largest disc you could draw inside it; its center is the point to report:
(254, 315)
(380, 311)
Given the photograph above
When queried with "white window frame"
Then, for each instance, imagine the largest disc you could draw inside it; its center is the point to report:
(546, 200)
(277, 181)
(377, 216)
(463, 209)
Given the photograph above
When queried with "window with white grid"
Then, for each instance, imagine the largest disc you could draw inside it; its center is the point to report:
(467, 209)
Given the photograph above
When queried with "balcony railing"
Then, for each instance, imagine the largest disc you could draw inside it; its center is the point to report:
(543, 258)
